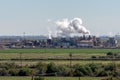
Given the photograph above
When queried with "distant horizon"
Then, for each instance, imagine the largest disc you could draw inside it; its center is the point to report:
(55, 36)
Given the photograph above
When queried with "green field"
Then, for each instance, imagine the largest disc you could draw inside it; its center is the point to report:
(51, 78)
(48, 55)
(54, 54)
(61, 62)
(59, 50)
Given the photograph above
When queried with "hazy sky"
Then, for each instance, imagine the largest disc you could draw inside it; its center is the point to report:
(33, 16)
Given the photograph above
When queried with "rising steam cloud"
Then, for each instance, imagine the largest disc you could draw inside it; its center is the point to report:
(66, 27)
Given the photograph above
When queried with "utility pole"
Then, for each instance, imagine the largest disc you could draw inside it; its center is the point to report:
(115, 67)
(70, 58)
(20, 59)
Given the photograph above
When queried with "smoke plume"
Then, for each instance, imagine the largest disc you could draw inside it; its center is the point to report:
(66, 27)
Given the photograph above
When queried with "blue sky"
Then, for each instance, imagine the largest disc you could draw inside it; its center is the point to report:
(30, 16)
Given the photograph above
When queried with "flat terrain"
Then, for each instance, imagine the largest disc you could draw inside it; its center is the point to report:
(48, 55)
(51, 78)
(59, 50)
(59, 62)
(54, 54)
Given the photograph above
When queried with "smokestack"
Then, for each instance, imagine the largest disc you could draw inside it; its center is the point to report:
(66, 27)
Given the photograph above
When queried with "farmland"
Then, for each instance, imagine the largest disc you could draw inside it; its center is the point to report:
(48, 55)
(51, 78)
(59, 50)
(33, 55)
(61, 62)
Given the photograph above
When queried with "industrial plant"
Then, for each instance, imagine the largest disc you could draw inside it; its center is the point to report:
(69, 34)
(59, 42)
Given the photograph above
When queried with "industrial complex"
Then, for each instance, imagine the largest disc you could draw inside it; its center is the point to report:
(59, 42)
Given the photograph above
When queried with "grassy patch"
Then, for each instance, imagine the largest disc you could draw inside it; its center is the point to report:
(59, 50)
(47, 55)
(60, 62)
(51, 78)
(15, 78)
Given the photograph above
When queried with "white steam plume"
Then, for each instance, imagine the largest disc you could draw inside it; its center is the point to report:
(66, 27)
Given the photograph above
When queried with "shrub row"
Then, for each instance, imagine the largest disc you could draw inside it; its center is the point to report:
(51, 69)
